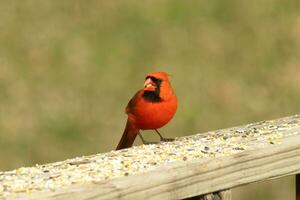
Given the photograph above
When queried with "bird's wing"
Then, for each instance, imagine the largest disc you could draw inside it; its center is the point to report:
(131, 104)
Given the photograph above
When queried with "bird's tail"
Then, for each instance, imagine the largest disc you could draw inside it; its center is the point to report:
(128, 136)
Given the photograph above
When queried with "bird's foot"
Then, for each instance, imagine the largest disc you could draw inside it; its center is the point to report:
(163, 139)
(148, 142)
(167, 139)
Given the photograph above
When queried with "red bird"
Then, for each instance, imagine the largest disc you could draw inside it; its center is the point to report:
(150, 108)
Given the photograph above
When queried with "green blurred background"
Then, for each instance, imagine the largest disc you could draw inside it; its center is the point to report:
(68, 69)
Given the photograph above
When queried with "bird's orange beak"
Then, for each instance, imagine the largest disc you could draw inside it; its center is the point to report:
(149, 85)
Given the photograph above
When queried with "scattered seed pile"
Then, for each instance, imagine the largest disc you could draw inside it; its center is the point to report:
(143, 158)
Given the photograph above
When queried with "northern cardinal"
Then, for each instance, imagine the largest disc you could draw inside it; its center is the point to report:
(150, 108)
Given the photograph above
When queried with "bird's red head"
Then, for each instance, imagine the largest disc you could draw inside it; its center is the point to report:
(153, 79)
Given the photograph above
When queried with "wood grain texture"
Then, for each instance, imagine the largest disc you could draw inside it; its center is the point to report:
(190, 178)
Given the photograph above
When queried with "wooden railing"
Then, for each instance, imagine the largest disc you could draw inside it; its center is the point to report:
(201, 166)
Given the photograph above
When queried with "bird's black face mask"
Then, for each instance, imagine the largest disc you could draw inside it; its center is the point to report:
(152, 95)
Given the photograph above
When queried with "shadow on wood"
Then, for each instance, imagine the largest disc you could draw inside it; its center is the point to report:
(222, 195)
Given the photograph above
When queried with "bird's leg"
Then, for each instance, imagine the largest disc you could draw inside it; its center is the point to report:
(162, 138)
(144, 141)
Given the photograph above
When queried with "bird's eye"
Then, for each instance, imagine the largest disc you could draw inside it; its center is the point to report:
(154, 79)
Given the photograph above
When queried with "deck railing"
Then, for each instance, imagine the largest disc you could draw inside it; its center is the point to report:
(201, 166)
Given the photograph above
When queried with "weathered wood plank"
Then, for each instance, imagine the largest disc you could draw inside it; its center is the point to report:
(182, 180)
(189, 167)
